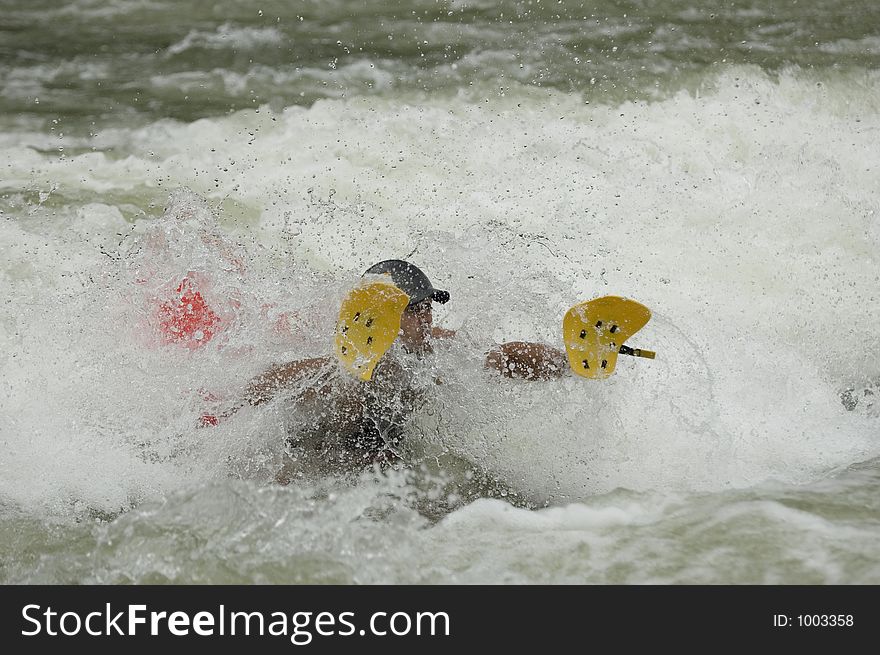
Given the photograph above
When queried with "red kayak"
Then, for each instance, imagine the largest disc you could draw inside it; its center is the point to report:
(186, 318)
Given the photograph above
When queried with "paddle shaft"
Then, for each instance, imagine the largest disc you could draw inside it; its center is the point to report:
(636, 352)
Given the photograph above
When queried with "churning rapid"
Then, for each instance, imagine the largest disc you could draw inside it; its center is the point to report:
(719, 166)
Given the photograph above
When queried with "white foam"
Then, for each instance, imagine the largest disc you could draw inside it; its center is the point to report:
(867, 45)
(745, 216)
(227, 36)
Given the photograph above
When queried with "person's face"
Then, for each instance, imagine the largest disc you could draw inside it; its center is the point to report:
(415, 325)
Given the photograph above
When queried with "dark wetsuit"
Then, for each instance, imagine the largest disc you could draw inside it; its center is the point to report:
(355, 424)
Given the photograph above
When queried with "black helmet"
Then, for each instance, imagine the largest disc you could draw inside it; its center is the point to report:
(410, 280)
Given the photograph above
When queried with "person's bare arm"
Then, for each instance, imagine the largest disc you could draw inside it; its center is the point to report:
(442, 333)
(527, 361)
(266, 385)
(263, 387)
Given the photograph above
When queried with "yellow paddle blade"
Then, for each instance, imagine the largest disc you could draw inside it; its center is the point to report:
(594, 331)
(369, 321)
